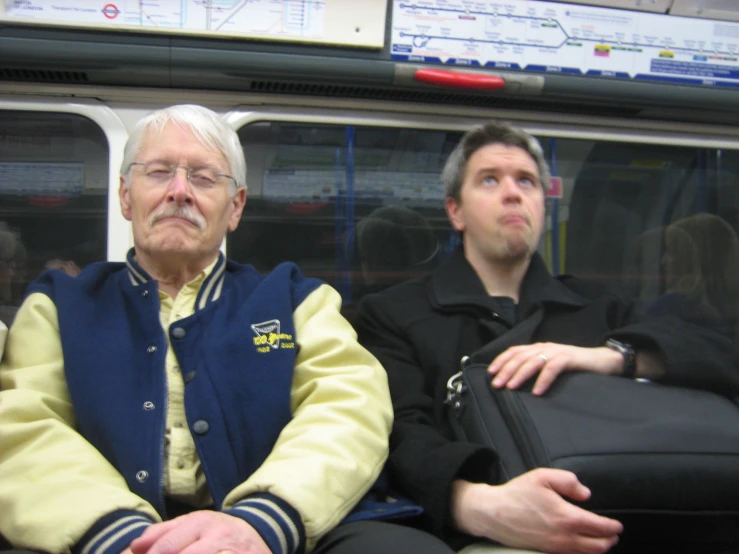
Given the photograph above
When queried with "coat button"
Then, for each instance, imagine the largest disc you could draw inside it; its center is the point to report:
(179, 333)
(200, 427)
(151, 349)
(142, 476)
(189, 376)
(148, 405)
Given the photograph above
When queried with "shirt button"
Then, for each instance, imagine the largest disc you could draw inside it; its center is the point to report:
(200, 427)
(189, 376)
(180, 463)
(148, 405)
(175, 368)
(179, 333)
(151, 349)
(178, 424)
(142, 476)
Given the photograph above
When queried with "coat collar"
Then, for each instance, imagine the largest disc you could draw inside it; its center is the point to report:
(210, 290)
(456, 286)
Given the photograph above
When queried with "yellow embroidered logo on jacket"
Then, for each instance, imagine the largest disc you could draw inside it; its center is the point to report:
(268, 336)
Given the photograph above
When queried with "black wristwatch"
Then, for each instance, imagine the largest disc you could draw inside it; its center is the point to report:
(629, 354)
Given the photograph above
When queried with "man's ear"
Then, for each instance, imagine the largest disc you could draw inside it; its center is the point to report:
(455, 213)
(238, 203)
(124, 195)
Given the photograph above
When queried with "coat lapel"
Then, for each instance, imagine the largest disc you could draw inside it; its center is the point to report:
(456, 288)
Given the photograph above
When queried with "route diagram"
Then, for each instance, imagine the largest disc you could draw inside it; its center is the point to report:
(554, 37)
(291, 18)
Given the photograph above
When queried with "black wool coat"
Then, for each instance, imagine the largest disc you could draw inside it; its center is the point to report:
(420, 330)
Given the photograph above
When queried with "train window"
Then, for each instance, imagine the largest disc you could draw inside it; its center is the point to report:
(362, 208)
(661, 220)
(358, 206)
(53, 198)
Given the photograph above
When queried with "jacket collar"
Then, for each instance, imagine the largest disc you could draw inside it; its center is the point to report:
(210, 290)
(456, 286)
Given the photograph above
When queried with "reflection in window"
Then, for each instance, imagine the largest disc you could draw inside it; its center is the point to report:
(53, 198)
(661, 220)
(362, 208)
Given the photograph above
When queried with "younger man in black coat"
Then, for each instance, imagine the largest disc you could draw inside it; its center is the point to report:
(495, 182)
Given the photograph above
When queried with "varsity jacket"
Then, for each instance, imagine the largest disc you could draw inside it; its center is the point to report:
(290, 416)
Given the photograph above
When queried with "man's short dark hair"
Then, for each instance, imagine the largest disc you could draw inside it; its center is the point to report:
(494, 132)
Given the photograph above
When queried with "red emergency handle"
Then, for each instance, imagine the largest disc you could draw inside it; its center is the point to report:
(457, 79)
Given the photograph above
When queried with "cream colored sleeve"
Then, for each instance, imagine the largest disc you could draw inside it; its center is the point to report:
(54, 485)
(334, 448)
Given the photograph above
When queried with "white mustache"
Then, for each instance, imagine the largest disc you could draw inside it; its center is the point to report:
(178, 211)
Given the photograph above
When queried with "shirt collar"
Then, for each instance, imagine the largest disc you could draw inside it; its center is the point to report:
(212, 278)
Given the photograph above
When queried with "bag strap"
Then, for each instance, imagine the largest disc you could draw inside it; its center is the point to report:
(522, 333)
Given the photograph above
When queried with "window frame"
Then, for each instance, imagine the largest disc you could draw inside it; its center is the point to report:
(120, 239)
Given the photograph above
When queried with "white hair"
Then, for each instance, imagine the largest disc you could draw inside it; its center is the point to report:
(205, 124)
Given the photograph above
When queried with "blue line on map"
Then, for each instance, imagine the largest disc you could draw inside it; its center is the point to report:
(599, 40)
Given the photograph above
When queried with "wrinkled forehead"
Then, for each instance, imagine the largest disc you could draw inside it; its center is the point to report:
(175, 141)
(497, 154)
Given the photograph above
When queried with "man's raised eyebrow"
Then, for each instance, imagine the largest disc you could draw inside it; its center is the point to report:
(486, 169)
(533, 175)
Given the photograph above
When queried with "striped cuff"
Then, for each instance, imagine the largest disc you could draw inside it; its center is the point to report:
(113, 533)
(277, 522)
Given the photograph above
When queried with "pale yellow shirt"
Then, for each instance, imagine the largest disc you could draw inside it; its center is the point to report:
(184, 479)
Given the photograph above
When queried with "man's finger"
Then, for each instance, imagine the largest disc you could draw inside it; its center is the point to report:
(524, 372)
(510, 368)
(593, 525)
(564, 483)
(142, 544)
(499, 361)
(594, 545)
(549, 373)
(176, 540)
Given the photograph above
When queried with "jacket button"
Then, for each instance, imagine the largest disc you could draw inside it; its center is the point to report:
(142, 476)
(151, 349)
(148, 405)
(200, 427)
(189, 376)
(145, 293)
(179, 333)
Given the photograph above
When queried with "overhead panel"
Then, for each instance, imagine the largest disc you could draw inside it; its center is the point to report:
(360, 23)
(710, 9)
(566, 39)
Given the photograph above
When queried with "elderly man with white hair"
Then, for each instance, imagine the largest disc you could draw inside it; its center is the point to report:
(182, 402)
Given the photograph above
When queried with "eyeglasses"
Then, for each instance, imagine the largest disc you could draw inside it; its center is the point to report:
(206, 177)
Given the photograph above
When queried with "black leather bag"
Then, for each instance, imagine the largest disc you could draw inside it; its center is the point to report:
(639, 447)
(664, 459)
